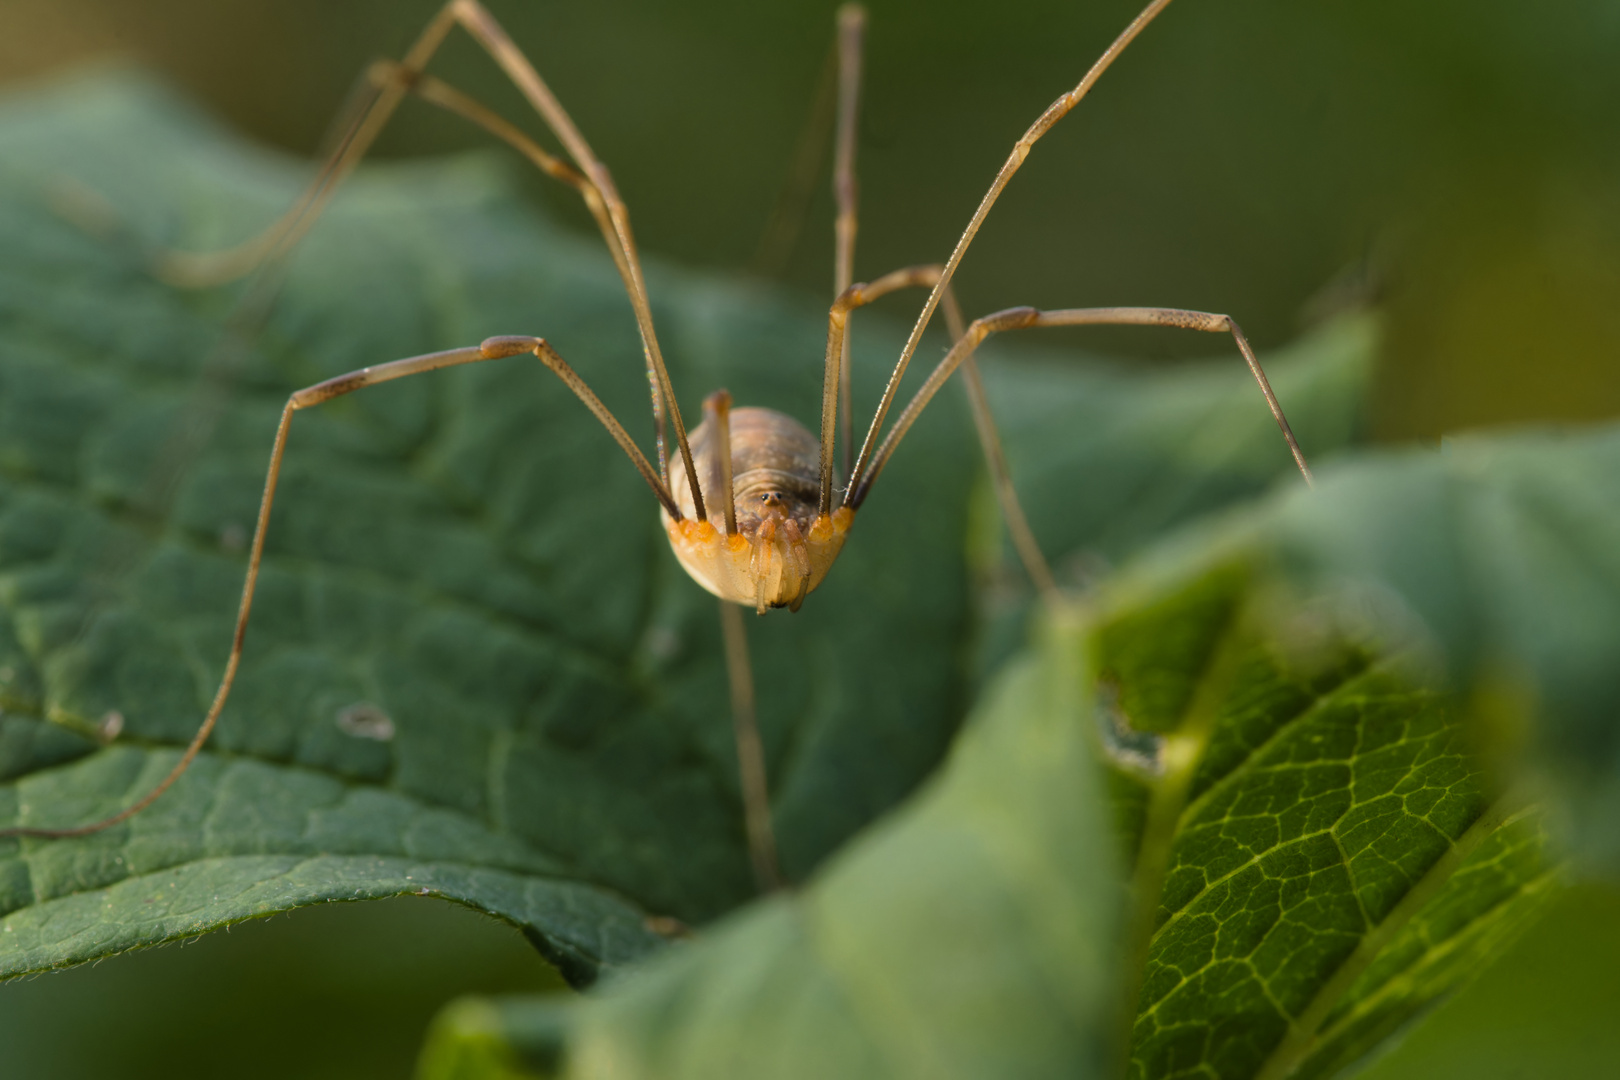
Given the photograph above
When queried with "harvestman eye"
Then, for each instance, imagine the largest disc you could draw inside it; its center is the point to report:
(754, 508)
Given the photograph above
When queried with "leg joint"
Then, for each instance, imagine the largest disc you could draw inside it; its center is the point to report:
(509, 345)
(1007, 319)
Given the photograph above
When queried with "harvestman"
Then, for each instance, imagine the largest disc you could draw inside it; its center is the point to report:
(783, 515)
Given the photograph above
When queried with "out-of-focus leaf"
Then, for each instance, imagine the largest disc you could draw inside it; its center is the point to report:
(328, 992)
(971, 934)
(1330, 863)
(1498, 558)
(1323, 855)
(503, 1038)
(1544, 1007)
(463, 556)
(1318, 835)
(1507, 551)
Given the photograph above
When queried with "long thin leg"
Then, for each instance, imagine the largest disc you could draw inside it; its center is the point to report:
(437, 92)
(984, 422)
(488, 33)
(781, 234)
(846, 192)
(717, 410)
(855, 296)
(373, 112)
(851, 31)
(1025, 317)
(207, 269)
(491, 349)
(361, 121)
(837, 333)
(750, 751)
(858, 477)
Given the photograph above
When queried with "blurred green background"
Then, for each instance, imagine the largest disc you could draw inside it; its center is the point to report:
(1459, 158)
(1456, 162)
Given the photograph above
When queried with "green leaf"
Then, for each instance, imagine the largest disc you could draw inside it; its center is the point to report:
(1505, 552)
(462, 554)
(504, 1038)
(1325, 860)
(1493, 562)
(970, 934)
(1317, 846)
(1334, 873)
(1545, 1007)
(1333, 858)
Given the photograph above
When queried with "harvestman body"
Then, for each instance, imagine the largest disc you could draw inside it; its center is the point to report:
(783, 516)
